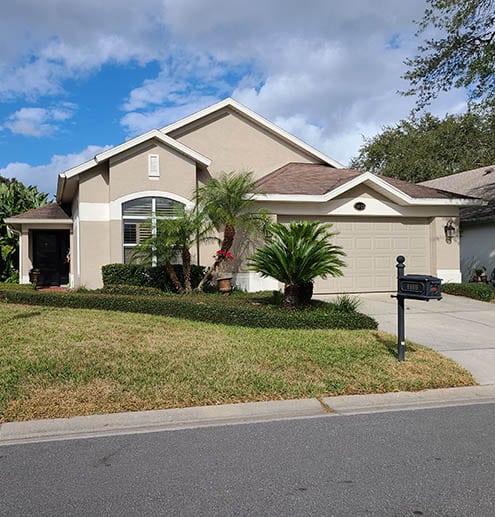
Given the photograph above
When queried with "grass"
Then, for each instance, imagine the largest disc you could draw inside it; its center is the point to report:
(65, 362)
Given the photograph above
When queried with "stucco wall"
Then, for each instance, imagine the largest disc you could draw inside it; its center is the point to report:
(95, 251)
(445, 256)
(129, 172)
(234, 143)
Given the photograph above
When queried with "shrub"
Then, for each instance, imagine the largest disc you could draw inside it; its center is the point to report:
(202, 308)
(146, 276)
(476, 290)
(347, 303)
(133, 290)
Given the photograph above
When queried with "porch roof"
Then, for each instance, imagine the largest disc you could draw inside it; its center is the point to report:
(51, 213)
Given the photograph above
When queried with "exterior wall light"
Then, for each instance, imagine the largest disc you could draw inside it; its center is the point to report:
(449, 230)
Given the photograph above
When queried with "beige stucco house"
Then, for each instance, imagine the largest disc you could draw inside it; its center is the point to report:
(477, 223)
(101, 203)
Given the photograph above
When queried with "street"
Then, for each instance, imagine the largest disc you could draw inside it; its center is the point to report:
(419, 462)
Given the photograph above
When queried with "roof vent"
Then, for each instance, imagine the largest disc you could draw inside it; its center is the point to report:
(487, 171)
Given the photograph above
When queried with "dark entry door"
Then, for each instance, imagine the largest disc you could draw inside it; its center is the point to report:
(51, 256)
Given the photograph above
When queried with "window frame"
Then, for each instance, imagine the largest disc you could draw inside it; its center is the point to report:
(137, 218)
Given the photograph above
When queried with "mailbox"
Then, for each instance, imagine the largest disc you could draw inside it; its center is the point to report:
(420, 287)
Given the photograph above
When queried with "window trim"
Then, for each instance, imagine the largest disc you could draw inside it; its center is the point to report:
(153, 166)
(154, 218)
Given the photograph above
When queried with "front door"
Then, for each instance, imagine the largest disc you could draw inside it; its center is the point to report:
(51, 256)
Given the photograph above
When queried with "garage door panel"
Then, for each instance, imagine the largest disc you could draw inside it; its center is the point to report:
(371, 249)
(383, 243)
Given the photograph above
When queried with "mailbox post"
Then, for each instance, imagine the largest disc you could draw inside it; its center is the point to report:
(416, 287)
(401, 338)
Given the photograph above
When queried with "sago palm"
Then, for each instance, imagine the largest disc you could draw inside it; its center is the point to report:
(296, 254)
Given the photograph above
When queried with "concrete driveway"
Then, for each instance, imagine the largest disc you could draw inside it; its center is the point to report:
(460, 328)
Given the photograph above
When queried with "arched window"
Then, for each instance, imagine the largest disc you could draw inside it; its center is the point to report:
(137, 212)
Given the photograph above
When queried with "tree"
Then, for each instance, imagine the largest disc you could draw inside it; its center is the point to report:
(297, 254)
(420, 149)
(461, 53)
(229, 203)
(15, 198)
(168, 237)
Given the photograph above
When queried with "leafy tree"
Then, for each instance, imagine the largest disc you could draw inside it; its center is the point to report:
(229, 202)
(171, 236)
(15, 198)
(460, 54)
(296, 254)
(419, 149)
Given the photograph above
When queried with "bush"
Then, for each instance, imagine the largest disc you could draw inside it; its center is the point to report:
(146, 276)
(134, 290)
(347, 303)
(208, 308)
(476, 290)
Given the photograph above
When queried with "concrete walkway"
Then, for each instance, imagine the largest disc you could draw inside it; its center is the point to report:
(460, 328)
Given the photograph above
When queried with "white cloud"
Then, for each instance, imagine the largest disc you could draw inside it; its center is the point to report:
(38, 122)
(327, 71)
(44, 43)
(45, 176)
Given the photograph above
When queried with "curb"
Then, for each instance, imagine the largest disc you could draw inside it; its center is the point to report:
(232, 414)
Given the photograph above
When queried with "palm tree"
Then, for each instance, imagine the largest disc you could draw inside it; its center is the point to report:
(188, 228)
(296, 254)
(229, 202)
(171, 236)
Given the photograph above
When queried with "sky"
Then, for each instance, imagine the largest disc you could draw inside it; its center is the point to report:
(80, 76)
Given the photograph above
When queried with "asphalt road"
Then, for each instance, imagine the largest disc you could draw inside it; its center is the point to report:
(422, 462)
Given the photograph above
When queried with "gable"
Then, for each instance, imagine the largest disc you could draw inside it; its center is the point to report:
(152, 166)
(235, 143)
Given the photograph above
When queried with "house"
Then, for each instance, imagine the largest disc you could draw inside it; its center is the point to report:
(102, 203)
(477, 222)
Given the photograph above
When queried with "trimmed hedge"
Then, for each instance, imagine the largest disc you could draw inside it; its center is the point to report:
(147, 276)
(476, 290)
(200, 308)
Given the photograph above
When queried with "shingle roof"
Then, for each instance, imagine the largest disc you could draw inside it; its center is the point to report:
(50, 211)
(317, 179)
(475, 182)
(304, 178)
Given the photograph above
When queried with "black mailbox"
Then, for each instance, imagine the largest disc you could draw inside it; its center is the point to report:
(420, 287)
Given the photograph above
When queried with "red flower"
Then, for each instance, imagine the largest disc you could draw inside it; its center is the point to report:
(225, 255)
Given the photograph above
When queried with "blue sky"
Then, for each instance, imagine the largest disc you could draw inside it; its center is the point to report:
(78, 76)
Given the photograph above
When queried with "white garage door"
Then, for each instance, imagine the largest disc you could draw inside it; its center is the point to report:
(371, 248)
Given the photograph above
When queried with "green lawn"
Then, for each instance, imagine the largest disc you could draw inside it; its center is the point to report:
(60, 362)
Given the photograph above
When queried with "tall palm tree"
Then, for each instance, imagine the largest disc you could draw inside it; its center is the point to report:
(296, 254)
(229, 202)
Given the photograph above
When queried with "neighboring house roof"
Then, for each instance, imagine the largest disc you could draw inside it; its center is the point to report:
(232, 104)
(475, 182)
(52, 212)
(314, 182)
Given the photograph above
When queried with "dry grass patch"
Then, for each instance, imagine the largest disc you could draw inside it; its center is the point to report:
(67, 362)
